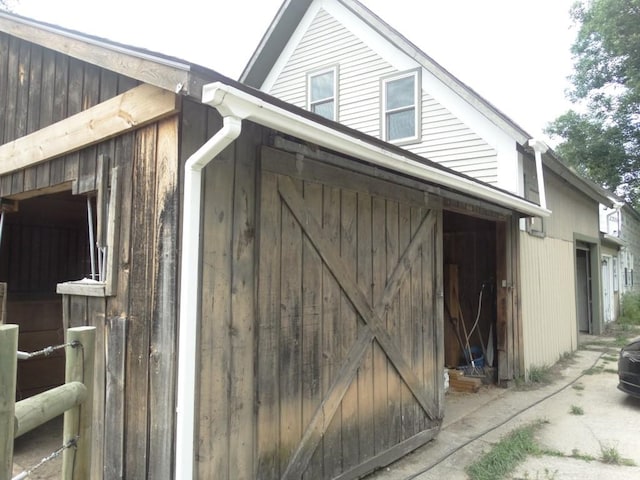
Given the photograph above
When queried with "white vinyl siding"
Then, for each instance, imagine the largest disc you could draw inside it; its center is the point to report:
(443, 137)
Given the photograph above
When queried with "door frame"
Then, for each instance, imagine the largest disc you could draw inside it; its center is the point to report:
(591, 246)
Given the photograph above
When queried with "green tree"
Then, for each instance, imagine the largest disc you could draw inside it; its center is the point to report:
(601, 136)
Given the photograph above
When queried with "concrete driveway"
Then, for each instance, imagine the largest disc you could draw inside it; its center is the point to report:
(474, 422)
(609, 420)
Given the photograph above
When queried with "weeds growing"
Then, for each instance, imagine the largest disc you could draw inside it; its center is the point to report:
(576, 410)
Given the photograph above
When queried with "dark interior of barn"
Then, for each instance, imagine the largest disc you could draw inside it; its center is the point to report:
(44, 242)
(469, 251)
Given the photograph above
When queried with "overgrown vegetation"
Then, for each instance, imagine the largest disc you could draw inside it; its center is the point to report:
(512, 449)
(630, 309)
(611, 456)
(507, 454)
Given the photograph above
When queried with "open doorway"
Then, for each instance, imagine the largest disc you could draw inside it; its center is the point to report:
(583, 290)
(44, 242)
(470, 265)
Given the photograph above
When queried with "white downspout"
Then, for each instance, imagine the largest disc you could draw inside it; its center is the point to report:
(539, 148)
(190, 291)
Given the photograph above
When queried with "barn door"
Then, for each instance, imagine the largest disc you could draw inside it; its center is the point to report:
(349, 367)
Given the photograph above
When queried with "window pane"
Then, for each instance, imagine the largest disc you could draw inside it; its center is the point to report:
(325, 109)
(400, 93)
(401, 124)
(322, 86)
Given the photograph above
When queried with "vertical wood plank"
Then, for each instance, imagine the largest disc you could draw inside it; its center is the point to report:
(4, 70)
(379, 281)
(365, 372)
(61, 87)
(34, 89)
(115, 353)
(215, 354)
(311, 326)
(141, 292)
(241, 399)
(438, 307)
(96, 318)
(48, 88)
(268, 365)
(290, 337)
(404, 334)
(331, 332)
(22, 103)
(75, 86)
(394, 387)
(164, 308)
(118, 305)
(108, 85)
(11, 98)
(349, 329)
(77, 311)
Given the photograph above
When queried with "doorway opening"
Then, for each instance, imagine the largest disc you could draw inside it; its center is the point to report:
(470, 314)
(44, 242)
(584, 297)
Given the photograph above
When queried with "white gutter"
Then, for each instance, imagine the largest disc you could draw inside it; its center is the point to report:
(539, 148)
(231, 101)
(190, 291)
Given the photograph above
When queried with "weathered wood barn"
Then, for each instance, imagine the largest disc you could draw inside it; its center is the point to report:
(268, 286)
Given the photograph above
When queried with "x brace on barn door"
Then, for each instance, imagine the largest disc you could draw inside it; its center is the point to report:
(371, 316)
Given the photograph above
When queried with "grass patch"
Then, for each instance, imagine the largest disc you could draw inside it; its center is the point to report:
(575, 453)
(578, 386)
(576, 410)
(507, 454)
(609, 358)
(621, 340)
(541, 375)
(611, 456)
(610, 370)
(630, 310)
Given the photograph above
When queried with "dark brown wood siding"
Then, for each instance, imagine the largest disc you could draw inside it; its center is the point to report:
(136, 360)
(39, 87)
(134, 401)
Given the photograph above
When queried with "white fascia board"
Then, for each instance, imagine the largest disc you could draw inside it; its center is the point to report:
(231, 101)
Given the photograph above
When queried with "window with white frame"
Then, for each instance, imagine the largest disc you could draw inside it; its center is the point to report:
(321, 92)
(401, 107)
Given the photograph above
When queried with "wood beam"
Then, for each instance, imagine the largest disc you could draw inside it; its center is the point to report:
(131, 110)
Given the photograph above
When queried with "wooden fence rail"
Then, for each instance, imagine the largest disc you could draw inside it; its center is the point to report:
(74, 398)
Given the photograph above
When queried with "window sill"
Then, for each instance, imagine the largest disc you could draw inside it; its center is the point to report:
(84, 288)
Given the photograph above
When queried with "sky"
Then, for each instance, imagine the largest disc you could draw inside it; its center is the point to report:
(515, 53)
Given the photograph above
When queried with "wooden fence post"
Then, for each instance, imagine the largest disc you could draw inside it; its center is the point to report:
(8, 364)
(76, 462)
